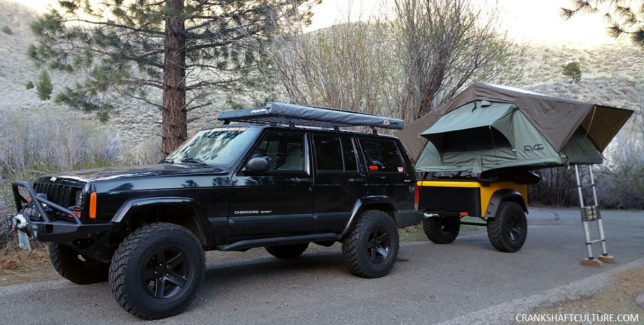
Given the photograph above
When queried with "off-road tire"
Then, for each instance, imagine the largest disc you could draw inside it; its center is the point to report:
(442, 230)
(136, 259)
(508, 230)
(76, 267)
(287, 251)
(364, 246)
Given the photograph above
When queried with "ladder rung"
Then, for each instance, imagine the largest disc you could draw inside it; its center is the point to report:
(594, 241)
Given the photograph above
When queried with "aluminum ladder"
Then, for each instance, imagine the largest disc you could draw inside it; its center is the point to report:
(589, 214)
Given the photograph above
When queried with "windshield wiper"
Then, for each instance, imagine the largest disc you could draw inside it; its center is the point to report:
(167, 161)
(194, 161)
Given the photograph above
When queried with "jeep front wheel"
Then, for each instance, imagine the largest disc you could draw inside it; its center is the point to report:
(156, 270)
(76, 267)
(371, 248)
(287, 251)
(442, 230)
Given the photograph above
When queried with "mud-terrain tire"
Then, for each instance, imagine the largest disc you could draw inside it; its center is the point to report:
(442, 230)
(508, 230)
(287, 251)
(371, 248)
(156, 270)
(76, 267)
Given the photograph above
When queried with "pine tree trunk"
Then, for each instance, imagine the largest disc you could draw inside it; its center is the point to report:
(174, 128)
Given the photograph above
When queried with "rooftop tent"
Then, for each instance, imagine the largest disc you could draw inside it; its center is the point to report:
(569, 128)
(481, 136)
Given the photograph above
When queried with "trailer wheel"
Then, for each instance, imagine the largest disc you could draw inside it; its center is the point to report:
(442, 230)
(508, 230)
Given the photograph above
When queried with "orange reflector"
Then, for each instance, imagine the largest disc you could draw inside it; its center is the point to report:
(463, 214)
(92, 205)
(76, 213)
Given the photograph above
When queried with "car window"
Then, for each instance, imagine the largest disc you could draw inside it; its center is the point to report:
(382, 155)
(285, 151)
(328, 153)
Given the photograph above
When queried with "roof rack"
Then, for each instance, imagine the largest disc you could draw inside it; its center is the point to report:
(290, 114)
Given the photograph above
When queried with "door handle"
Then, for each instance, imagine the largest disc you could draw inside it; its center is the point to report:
(299, 180)
(355, 180)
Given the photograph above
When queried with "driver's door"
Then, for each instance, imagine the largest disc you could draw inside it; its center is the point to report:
(279, 201)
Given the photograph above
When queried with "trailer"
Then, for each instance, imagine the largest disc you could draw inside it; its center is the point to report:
(476, 156)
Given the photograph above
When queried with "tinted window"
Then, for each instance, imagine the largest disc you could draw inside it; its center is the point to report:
(286, 151)
(328, 153)
(382, 155)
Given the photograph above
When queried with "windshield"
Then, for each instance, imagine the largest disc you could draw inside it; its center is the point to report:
(219, 147)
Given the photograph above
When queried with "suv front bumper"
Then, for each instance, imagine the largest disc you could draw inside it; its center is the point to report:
(46, 228)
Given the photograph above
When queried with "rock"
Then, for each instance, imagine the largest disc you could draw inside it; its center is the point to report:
(639, 300)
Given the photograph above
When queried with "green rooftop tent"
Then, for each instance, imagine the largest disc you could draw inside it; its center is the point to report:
(490, 127)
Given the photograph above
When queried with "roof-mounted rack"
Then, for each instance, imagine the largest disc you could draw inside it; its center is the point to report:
(291, 115)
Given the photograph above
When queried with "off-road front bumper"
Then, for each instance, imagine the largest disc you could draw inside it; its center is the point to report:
(43, 227)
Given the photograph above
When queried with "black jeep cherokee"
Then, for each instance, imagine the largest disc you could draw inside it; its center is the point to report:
(234, 187)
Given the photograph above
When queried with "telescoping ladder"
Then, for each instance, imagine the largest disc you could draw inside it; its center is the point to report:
(589, 214)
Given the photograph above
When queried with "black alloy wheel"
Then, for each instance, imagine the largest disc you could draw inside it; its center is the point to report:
(166, 272)
(378, 245)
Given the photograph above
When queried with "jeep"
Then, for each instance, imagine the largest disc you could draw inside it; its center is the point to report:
(282, 177)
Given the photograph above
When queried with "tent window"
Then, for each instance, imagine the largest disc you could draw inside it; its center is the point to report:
(483, 138)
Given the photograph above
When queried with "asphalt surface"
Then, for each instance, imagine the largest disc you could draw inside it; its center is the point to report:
(462, 282)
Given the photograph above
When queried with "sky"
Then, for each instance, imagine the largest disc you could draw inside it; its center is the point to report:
(533, 21)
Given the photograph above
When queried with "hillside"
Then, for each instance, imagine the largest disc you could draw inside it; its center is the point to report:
(612, 75)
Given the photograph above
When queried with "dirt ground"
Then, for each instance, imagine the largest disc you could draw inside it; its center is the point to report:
(617, 298)
(17, 266)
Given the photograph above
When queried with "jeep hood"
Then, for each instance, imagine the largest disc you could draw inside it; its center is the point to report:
(140, 171)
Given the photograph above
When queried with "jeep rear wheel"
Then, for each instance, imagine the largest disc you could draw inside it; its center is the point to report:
(441, 230)
(76, 267)
(287, 251)
(156, 270)
(508, 230)
(371, 247)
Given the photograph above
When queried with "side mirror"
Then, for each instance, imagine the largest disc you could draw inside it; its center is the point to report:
(258, 164)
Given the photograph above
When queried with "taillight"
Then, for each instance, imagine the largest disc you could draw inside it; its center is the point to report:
(416, 196)
(92, 205)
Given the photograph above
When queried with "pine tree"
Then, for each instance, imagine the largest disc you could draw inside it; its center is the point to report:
(187, 49)
(625, 17)
(44, 86)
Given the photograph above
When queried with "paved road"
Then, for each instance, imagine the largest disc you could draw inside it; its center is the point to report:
(467, 280)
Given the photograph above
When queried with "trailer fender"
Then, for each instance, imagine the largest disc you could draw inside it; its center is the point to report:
(504, 195)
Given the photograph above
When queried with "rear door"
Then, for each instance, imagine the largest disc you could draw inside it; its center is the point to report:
(339, 181)
(389, 173)
(277, 202)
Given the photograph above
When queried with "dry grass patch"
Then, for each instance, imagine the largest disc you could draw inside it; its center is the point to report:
(617, 298)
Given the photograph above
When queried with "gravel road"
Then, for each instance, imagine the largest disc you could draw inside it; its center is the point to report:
(461, 282)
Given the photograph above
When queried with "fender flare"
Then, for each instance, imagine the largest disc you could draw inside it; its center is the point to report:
(128, 209)
(503, 195)
(361, 204)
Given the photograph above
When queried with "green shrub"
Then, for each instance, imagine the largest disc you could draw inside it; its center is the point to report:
(572, 70)
(7, 30)
(44, 86)
(29, 85)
